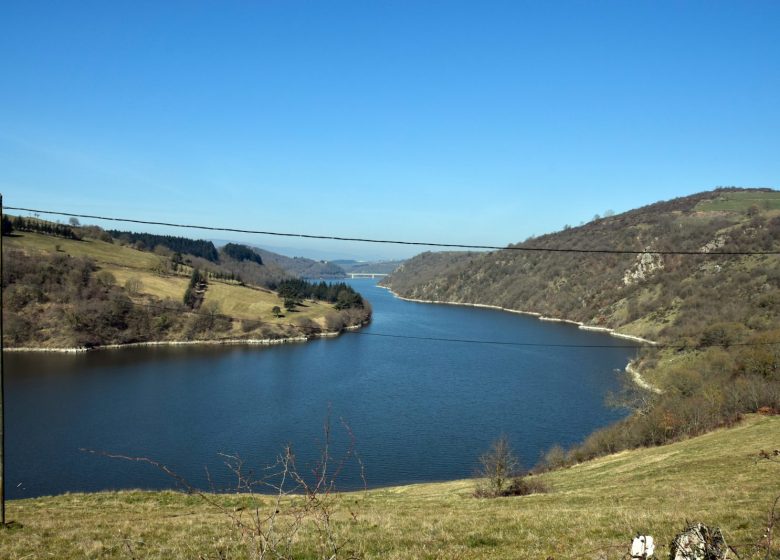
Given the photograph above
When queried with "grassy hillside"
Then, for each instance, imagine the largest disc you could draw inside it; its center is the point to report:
(717, 317)
(72, 292)
(301, 266)
(591, 512)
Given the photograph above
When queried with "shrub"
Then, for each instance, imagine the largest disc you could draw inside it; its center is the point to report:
(526, 485)
(555, 458)
(498, 467)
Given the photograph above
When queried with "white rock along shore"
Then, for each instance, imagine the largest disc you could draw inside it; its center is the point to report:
(215, 342)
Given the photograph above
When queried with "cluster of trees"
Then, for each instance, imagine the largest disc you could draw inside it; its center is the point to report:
(61, 301)
(18, 223)
(193, 295)
(94, 232)
(223, 275)
(67, 300)
(340, 294)
(241, 253)
(198, 247)
(64, 301)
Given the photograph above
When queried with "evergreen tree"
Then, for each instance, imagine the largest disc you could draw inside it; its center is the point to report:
(7, 225)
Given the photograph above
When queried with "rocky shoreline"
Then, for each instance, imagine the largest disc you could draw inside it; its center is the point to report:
(214, 342)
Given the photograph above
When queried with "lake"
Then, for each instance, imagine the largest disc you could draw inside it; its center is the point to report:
(417, 410)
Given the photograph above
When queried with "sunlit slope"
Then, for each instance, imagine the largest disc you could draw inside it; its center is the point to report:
(156, 284)
(668, 297)
(592, 511)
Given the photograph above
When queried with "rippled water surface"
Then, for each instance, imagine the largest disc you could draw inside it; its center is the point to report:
(418, 410)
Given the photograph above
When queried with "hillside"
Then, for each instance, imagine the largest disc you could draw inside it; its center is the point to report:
(591, 512)
(368, 267)
(301, 266)
(654, 296)
(719, 314)
(93, 290)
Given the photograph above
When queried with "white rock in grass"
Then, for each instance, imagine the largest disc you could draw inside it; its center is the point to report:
(643, 546)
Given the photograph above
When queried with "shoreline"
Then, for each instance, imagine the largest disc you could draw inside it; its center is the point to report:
(212, 342)
(629, 369)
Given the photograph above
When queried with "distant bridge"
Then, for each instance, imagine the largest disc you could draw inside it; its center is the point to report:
(366, 274)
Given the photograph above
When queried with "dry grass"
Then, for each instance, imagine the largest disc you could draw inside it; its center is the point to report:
(592, 512)
(161, 287)
(102, 252)
(246, 303)
(741, 201)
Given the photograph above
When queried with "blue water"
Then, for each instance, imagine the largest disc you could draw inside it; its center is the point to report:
(417, 410)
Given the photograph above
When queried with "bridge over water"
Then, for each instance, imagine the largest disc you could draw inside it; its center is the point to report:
(366, 274)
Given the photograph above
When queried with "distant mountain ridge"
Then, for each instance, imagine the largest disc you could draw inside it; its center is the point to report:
(365, 267)
(302, 267)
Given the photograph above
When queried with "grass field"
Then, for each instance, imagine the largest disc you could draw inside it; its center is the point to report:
(741, 201)
(246, 303)
(592, 511)
(108, 254)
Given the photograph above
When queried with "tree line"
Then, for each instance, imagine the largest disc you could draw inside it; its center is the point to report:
(197, 247)
(18, 223)
(241, 253)
(340, 294)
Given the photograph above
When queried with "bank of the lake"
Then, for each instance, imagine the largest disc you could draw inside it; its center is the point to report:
(630, 368)
(214, 342)
(578, 324)
(419, 410)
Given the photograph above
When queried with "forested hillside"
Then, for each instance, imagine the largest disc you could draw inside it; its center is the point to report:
(719, 313)
(72, 286)
(370, 267)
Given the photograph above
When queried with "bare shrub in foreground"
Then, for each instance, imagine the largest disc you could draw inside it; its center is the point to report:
(285, 509)
(500, 474)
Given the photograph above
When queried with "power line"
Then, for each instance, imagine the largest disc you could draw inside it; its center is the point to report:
(504, 343)
(550, 345)
(411, 337)
(393, 242)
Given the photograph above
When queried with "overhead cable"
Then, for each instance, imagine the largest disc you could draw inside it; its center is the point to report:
(528, 249)
(312, 330)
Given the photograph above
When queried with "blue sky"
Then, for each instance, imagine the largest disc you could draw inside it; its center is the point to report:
(463, 122)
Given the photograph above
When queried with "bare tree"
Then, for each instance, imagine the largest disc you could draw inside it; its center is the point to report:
(283, 503)
(498, 467)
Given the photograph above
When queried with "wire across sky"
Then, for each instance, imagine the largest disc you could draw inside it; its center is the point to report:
(391, 241)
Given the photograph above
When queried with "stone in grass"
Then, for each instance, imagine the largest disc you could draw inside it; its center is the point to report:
(642, 547)
(699, 542)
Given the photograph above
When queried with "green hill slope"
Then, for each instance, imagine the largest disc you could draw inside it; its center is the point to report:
(664, 297)
(591, 512)
(94, 291)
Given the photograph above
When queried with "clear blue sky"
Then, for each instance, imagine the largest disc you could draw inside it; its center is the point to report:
(468, 122)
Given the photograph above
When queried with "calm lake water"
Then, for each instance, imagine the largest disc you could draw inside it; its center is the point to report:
(417, 410)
